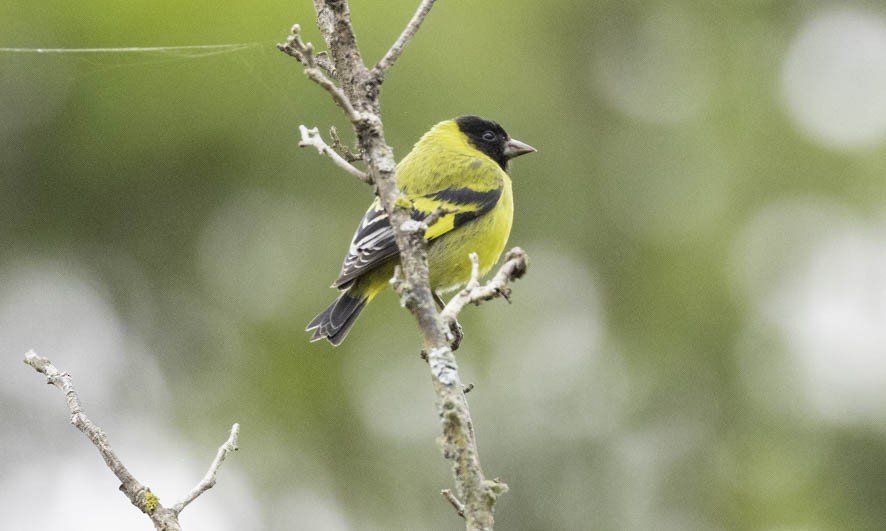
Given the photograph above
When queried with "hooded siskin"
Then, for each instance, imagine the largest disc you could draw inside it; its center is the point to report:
(461, 166)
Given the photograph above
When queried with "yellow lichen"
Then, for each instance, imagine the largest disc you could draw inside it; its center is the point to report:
(151, 501)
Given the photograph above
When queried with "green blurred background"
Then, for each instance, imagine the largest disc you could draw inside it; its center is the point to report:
(700, 342)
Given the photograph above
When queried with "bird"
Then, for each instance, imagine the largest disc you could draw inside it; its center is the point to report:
(456, 176)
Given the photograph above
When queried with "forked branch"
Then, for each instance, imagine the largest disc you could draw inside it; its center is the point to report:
(164, 518)
(316, 70)
(311, 137)
(515, 263)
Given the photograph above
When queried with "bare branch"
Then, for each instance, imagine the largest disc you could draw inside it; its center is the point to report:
(164, 518)
(514, 267)
(334, 22)
(323, 61)
(455, 502)
(435, 216)
(443, 367)
(137, 493)
(208, 480)
(409, 31)
(342, 149)
(316, 71)
(311, 137)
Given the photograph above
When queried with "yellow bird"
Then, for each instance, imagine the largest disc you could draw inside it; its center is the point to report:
(460, 168)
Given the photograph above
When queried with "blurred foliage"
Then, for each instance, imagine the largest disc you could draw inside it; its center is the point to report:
(654, 371)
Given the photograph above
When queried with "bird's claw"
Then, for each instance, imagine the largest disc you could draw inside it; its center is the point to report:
(457, 334)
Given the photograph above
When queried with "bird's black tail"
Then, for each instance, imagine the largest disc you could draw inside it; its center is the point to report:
(334, 322)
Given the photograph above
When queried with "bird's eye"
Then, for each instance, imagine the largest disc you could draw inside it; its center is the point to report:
(489, 136)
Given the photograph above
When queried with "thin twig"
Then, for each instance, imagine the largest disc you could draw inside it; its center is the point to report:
(311, 137)
(134, 490)
(435, 216)
(316, 71)
(514, 267)
(208, 480)
(323, 61)
(399, 45)
(347, 153)
(317, 76)
(454, 501)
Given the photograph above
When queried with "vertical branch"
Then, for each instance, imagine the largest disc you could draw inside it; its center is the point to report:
(361, 88)
(334, 21)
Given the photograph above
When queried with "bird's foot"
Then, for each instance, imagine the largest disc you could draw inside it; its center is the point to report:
(457, 333)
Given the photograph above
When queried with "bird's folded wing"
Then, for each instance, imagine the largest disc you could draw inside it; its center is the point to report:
(373, 242)
(453, 207)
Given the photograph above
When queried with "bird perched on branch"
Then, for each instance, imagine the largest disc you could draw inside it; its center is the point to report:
(456, 178)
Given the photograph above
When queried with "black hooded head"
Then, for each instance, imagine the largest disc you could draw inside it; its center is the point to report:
(487, 136)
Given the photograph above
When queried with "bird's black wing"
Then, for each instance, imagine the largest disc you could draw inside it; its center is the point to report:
(373, 244)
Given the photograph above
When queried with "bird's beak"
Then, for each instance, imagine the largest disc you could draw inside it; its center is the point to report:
(515, 148)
